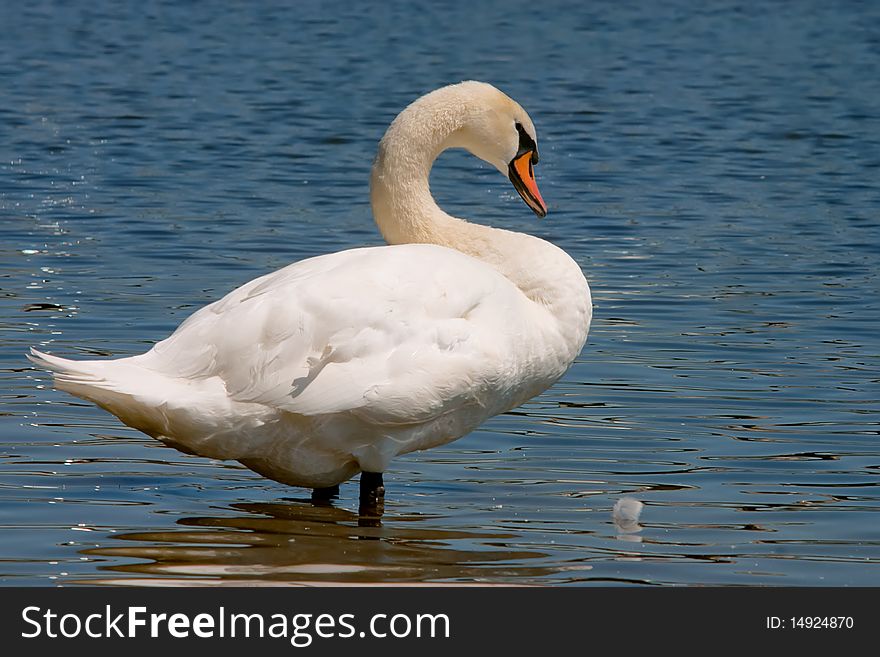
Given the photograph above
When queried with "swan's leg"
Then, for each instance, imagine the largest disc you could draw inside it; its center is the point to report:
(372, 502)
(325, 494)
(372, 487)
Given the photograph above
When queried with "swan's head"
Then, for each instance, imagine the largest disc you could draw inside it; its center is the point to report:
(500, 132)
(471, 115)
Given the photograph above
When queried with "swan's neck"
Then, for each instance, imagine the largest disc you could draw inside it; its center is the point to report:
(405, 211)
(403, 206)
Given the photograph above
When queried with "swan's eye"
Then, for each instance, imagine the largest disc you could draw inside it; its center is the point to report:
(526, 143)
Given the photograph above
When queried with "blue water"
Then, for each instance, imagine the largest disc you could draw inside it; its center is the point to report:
(713, 169)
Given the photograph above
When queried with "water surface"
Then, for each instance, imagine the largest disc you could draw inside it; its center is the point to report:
(714, 171)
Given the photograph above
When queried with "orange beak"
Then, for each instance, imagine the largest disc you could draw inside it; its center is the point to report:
(522, 175)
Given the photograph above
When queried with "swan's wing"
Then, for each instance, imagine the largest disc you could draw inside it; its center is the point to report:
(394, 334)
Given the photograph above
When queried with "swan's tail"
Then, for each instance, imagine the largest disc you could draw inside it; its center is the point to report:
(195, 413)
(99, 381)
(68, 372)
(119, 386)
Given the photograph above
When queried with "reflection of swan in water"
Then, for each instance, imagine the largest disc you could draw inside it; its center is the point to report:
(299, 543)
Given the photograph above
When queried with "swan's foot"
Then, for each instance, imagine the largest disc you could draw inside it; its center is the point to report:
(372, 502)
(324, 495)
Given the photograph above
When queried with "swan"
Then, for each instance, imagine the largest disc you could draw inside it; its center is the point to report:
(334, 365)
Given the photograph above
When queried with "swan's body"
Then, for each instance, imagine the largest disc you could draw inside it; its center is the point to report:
(338, 363)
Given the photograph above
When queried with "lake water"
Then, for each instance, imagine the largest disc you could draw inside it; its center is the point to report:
(713, 169)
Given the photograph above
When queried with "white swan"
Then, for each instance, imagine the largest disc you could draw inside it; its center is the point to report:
(336, 364)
